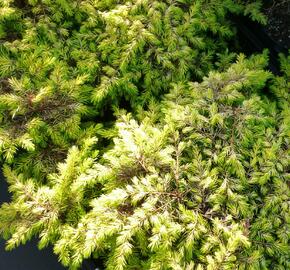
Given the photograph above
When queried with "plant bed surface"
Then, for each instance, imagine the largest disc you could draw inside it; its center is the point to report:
(278, 26)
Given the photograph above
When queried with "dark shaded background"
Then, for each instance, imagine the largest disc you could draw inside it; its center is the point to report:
(25, 257)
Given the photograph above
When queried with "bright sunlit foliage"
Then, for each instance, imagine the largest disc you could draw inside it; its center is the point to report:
(133, 132)
(204, 187)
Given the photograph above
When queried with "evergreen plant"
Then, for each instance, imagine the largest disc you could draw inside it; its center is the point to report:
(65, 64)
(200, 181)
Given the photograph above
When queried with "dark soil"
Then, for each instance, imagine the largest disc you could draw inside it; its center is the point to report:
(278, 26)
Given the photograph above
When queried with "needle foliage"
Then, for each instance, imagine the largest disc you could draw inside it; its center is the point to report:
(127, 134)
(65, 64)
(200, 181)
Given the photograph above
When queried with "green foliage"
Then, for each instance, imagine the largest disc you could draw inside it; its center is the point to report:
(64, 63)
(196, 179)
(201, 182)
(43, 209)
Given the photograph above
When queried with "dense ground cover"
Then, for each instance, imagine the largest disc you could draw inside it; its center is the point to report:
(132, 131)
(66, 63)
